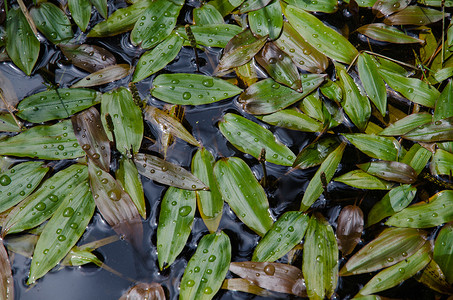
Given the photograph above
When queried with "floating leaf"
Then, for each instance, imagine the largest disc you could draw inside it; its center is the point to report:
(314, 154)
(106, 75)
(416, 15)
(362, 180)
(80, 12)
(314, 107)
(437, 131)
(91, 136)
(249, 137)
(326, 6)
(210, 203)
(407, 124)
(375, 146)
(101, 7)
(390, 170)
(287, 232)
(152, 291)
(210, 261)
(62, 231)
(293, 119)
(246, 286)
(325, 39)
(45, 142)
(213, 35)
(20, 181)
(42, 204)
(8, 123)
(90, 58)
(164, 172)
(442, 253)
(349, 228)
(328, 168)
(56, 104)
(175, 224)
(282, 278)
(52, 22)
(225, 6)
(267, 21)
(192, 89)
(385, 33)
(436, 211)
(7, 280)
(320, 259)
(390, 247)
(394, 201)
(388, 7)
(127, 175)
(207, 14)
(417, 157)
(442, 163)
(251, 5)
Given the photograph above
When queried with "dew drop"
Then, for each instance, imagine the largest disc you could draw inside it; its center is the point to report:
(212, 258)
(190, 283)
(61, 238)
(40, 206)
(185, 210)
(114, 195)
(269, 270)
(68, 212)
(5, 180)
(53, 198)
(207, 290)
(186, 95)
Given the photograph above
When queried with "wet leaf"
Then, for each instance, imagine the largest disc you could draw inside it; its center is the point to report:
(375, 146)
(244, 285)
(293, 119)
(386, 33)
(211, 262)
(444, 104)
(394, 201)
(243, 193)
(156, 59)
(314, 154)
(267, 21)
(388, 7)
(267, 96)
(20, 181)
(437, 131)
(396, 274)
(314, 107)
(390, 247)
(251, 5)
(92, 137)
(176, 216)
(151, 291)
(22, 45)
(80, 12)
(62, 231)
(249, 137)
(349, 228)
(192, 89)
(328, 168)
(278, 277)
(42, 204)
(443, 254)
(325, 39)
(155, 23)
(167, 173)
(52, 22)
(320, 259)
(207, 14)
(285, 234)
(412, 89)
(407, 124)
(45, 142)
(390, 170)
(225, 6)
(106, 75)
(210, 203)
(90, 58)
(305, 56)
(56, 104)
(213, 35)
(7, 92)
(127, 175)
(8, 124)
(326, 6)
(7, 286)
(101, 7)
(126, 118)
(417, 157)
(436, 211)
(332, 90)
(415, 15)
(442, 163)
(432, 277)
(362, 180)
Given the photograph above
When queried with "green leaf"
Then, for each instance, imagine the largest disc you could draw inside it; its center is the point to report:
(42, 204)
(127, 175)
(325, 39)
(372, 82)
(7, 288)
(8, 123)
(394, 201)
(22, 45)
(176, 216)
(20, 181)
(287, 232)
(320, 259)
(407, 124)
(167, 173)
(390, 170)
(293, 119)
(243, 193)
(314, 154)
(415, 15)
(155, 23)
(206, 15)
(249, 137)
(442, 163)
(80, 12)
(45, 142)
(56, 104)
(52, 22)
(412, 89)
(62, 231)
(396, 274)
(441, 130)
(211, 262)
(328, 168)
(267, 21)
(313, 106)
(417, 157)
(192, 89)
(385, 33)
(210, 203)
(106, 75)
(444, 104)
(443, 251)
(212, 35)
(375, 146)
(90, 58)
(155, 60)
(332, 90)
(225, 6)
(251, 5)
(126, 118)
(390, 247)
(362, 180)
(326, 6)
(438, 210)
(101, 7)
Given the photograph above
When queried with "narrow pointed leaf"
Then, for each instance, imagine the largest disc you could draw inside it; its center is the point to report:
(437, 131)
(90, 58)
(192, 89)
(210, 203)
(212, 35)
(207, 14)
(45, 142)
(42, 204)
(20, 181)
(362, 180)
(415, 15)
(320, 259)
(52, 22)
(315, 187)
(390, 247)
(267, 20)
(285, 234)
(176, 216)
(443, 251)
(432, 277)
(386, 33)
(127, 175)
(374, 146)
(62, 231)
(417, 157)
(106, 75)
(92, 137)
(101, 7)
(7, 286)
(325, 39)
(390, 170)
(213, 254)
(80, 12)
(278, 277)
(152, 291)
(293, 119)
(407, 124)
(444, 104)
(326, 6)
(314, 154)
(424, 215)
(249, 137)
(167, 173)
(349, 228)
(243, 193)
(56, 104)
(251, 5)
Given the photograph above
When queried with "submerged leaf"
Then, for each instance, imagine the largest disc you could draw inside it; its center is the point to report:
(432, 277)
(314, 154)
(349, 228)
(90, 58)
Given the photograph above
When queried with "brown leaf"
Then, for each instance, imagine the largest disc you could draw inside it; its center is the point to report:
(390, 170)
(7, 282)
(88, 57)
(243, 285)
(350, 227)
(144, 291)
